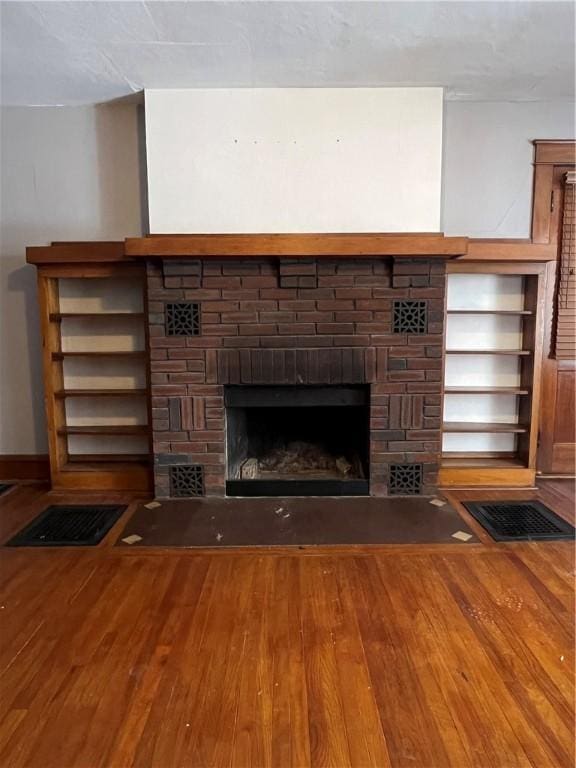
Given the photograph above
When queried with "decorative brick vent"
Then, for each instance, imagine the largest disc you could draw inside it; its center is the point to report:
(405, 479)
(183, 318)
(186, 481)
(410, 317)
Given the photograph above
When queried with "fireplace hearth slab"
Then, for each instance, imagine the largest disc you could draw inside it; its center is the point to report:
(225, 522)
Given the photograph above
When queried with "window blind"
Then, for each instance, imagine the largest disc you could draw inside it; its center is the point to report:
(565, 337)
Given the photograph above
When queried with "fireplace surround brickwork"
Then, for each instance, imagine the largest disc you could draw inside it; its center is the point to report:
(259, 321)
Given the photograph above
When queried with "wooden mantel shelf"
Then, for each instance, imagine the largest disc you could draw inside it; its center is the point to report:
(428, 245)
(89, 252)
(424, 245)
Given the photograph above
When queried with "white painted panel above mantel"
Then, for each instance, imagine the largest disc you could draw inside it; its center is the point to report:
(294, 160)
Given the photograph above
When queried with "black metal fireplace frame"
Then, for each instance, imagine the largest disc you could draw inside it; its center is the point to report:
(267, 396)
(284, 488)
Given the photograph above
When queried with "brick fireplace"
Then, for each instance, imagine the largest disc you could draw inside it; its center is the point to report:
(265, 324)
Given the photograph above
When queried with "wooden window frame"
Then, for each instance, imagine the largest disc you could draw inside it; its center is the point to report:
(551, 160)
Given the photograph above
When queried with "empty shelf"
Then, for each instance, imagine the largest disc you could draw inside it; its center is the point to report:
(479, 426)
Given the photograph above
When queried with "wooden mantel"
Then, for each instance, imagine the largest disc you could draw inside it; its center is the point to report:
(428, 245)
(293, 246)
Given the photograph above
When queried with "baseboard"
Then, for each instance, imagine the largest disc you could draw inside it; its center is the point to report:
(24, 467)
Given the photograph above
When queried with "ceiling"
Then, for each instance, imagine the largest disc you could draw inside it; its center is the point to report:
(67, 53)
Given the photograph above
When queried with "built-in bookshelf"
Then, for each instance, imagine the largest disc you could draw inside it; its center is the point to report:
(96, 379)
(490, 383)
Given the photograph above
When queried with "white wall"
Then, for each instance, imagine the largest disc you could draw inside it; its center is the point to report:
(294, 160)
(487, 168)
(72, 173)
(67, 174)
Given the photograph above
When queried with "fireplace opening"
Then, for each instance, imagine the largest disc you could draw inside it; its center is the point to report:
(297, 440)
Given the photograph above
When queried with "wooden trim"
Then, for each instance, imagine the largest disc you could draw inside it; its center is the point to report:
(86, 242)
(504, 477)
(483, 459)
(507, 250)
(57, 317)
(83, 253)
(531, 368)
(53, 376)
(125, 477)
(542, 195)
(517, 352)
(113, 354)
(506, 390)
(129, 429)
(102, 259)
(496, 267)
(110, 392)
(477, 427)
(297, 245)
(25, 467)
(551, 160)
(548, 203)
(555, 152)
(501, 312)
(91, 270)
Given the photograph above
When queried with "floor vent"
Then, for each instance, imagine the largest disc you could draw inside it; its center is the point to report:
(68, 526)
(519, 520)
(4, 487)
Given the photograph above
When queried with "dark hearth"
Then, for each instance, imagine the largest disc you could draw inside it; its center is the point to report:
(219, 522)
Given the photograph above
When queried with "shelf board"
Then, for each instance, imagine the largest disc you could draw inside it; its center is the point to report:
(509, 312)
(516, 352)
(108, 458)
(486, 390)
(479, 426)
(61, 394)
(434, 246)
(56, 317)
(481, 462)
(127, 429)
(140, 355)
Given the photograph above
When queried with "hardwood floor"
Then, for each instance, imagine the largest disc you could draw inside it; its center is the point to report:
(424, 656)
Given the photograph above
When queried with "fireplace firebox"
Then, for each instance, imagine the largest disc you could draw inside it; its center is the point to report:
(297, 440)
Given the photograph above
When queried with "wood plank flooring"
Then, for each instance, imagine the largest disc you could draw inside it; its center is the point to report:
(426, 656)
